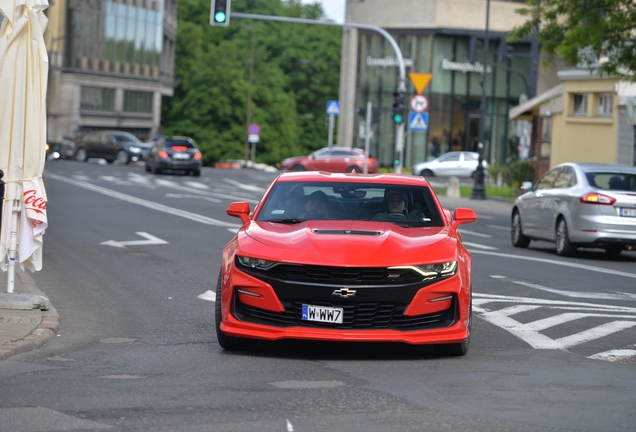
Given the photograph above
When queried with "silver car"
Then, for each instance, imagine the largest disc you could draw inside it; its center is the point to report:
(579, 205)
(456, 163)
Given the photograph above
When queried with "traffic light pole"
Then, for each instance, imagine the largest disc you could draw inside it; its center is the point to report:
(399, 128)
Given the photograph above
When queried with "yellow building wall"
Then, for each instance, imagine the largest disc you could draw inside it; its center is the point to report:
(587, 138)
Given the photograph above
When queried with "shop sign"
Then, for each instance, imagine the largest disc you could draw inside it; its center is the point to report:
(388, 61)
(464, 66)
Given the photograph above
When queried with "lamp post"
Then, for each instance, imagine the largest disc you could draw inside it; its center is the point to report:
(479, 190)
(249, 95)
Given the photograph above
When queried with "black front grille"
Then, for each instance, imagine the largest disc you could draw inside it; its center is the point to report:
(339, 275)
(372, 316)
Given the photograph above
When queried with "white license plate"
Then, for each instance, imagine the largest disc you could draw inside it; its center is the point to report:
(181, 156)
(628, 212)
(322, 314)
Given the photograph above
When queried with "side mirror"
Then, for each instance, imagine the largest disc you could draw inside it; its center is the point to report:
(526, 186)
(241, 210)
(462, 216)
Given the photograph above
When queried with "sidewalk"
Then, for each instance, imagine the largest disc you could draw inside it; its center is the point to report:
(23, 330)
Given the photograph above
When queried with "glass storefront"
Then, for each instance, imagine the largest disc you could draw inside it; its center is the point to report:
(454, 93)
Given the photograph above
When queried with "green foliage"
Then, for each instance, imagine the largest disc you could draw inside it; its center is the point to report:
(514, 173)
(584, 31)
(296, 70)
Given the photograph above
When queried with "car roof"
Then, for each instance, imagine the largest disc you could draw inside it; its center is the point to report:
(593, 167)
(379, 178)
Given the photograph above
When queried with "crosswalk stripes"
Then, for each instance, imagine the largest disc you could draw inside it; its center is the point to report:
(619, 318)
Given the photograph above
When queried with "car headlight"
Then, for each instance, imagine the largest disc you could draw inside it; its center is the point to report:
(434, 271)
(134, 149)
(256, 263)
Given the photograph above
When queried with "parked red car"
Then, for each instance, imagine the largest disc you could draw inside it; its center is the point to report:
(382, 261)
(332, 159)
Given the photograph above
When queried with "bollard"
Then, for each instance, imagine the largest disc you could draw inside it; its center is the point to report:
(452, 191)
(1, 196)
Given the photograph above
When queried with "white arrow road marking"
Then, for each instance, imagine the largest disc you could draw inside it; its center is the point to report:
(529, 332)
(150, 240)
(479, 246)
(247, 187)
(141, 202)
(233, 230)
(208, 295)
(614, 355)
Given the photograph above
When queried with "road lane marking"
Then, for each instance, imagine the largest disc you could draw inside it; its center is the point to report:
(141, 202)
(561, 263)
(197, 185)
(614, 355)
(499, 227)
(209, 295)
(197, 197)
(246, 187)
(595, 333)
(150, 240)
(476, 234)
(478, 246)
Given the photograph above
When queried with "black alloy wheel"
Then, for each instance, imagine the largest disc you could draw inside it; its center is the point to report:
(298, 167)
(516, 233)
(81, 155)
(427, 173)
(123, 158)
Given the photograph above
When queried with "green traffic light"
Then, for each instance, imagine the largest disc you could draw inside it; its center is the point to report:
(398, 119)
(396, 162)
(219, 17)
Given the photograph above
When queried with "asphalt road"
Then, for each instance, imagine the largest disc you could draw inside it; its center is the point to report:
(553, 346)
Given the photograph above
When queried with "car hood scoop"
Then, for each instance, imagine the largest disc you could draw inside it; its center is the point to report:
(346, 231)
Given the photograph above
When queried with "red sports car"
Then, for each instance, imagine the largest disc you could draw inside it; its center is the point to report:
(332, 159)
(346, 257)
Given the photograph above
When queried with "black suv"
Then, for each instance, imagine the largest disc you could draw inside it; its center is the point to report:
(122, 147)
(174, 153)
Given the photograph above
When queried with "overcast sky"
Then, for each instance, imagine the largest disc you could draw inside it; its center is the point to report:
(334, 9)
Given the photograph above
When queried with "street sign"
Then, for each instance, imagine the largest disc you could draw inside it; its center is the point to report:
(418, 121)
(420, 80)
(254, 129)
(333, 107)
(419, 103)
(253, 138)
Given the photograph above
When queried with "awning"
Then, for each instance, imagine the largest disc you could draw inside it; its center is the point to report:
(527, 107)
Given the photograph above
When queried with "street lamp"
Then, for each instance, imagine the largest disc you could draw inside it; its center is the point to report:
(479, 190)
(249, 95)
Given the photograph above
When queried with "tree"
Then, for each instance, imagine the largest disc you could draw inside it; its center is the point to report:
(588, 33)
(296, 70)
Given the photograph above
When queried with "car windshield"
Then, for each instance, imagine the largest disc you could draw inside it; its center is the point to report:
(612, 181)
(178, 143)
(296, 202)
(121, 137)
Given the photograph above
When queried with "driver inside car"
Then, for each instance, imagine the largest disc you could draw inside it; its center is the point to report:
(396, 207)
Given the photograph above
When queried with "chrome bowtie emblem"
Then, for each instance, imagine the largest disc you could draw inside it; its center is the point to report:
(344, 293)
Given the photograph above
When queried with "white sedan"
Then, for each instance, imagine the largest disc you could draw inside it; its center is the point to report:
(459, 164)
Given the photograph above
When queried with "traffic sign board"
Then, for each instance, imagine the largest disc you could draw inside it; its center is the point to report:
(333, 107)
(420, 80)
(419, 103)
(253, 138)
(418, 121)
(254, 129)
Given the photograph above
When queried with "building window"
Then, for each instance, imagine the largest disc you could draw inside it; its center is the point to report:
(605, 103)
(580, 105)
(97, 99)
(137, 101)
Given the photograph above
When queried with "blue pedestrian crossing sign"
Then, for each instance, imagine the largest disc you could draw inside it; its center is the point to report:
(333, 107)
(418, 121)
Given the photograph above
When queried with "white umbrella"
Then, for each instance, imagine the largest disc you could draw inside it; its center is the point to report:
(23, 79)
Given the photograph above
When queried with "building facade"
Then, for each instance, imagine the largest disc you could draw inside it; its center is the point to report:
(110, 63)
(585, 118)
(444, 38)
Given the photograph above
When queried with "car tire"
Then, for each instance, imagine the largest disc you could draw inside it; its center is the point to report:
(516, 233)
(298, 167)
(354, 169)
(563, 245)
(123, 158)
(427, 173)
(461, 349)
(156, 170)
(147, 167)
(228, 343)
(81, 155)
(196, 173)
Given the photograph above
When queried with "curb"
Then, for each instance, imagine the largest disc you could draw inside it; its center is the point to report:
(44, 332)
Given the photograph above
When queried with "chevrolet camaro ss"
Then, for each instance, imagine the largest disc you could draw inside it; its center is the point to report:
(346, 257)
